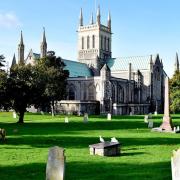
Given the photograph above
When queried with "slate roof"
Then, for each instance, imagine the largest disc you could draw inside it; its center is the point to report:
(77, 69)
(36, 56)
(138, 62)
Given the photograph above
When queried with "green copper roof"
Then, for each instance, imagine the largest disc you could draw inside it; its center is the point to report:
(122, 63)
(77, 69)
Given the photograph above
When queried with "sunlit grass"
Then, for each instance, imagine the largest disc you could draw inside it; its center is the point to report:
(145, 154)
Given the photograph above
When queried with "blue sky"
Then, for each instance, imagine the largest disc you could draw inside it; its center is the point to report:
(140, 27)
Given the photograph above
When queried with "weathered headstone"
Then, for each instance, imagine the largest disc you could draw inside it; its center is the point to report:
(109, 116)
(85, 119)
(55, 168)
(167, 122)
(150, 124)
(131, 113)
(146, 119)
(175, 165)
(155, 113)
(66, 119)
(14, 115)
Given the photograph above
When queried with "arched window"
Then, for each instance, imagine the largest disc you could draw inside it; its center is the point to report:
(108, 43)
(105, 43)
(113, 93)
(82, 42)
(91, 92)
(120, 94)
(88, 42)
(101, 42)
(157, 74)
(93, 41)
(72, 93)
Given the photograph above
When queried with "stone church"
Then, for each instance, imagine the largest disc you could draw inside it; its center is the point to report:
(99, 83)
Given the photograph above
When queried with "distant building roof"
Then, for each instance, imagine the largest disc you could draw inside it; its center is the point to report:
(138, 62)
(36, 56)
(77, 69)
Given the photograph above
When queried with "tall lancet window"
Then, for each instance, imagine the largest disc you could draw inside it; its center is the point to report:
(101, 42)
(108, 44)
(82, 42)
(88, 42)
(105, 43)
(93, 41)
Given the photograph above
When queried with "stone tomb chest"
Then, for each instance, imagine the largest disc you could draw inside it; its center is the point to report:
(105, 149)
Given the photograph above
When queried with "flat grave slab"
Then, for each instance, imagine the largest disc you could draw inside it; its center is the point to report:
(105, 149)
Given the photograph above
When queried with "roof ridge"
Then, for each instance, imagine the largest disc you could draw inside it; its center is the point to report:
(133, 56)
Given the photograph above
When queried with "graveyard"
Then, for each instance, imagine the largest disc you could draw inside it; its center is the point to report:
(144, 154)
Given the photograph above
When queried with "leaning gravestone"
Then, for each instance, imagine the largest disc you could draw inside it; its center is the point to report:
(108, 116)
(85, 119)
(175, 165)
(55, 168)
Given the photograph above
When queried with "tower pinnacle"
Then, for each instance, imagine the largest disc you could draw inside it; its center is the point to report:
(109, 21)
(81, 18)
(98, 16)
(43, 45)
(176, 65)
(21, 50)
(92, 19)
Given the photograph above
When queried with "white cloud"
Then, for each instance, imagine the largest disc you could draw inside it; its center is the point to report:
(9, 20)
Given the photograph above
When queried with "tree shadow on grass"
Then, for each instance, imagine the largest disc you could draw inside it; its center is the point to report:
(92, 170)
(84, 142)
(63, 128)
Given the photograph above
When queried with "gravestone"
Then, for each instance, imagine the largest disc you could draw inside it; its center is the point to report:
(85, 119)
(131, 113)
(146, 118)
(175, 165)
(109, 116)
(14, 115)
(150, 124)
(167, 122)
(55, 168)
(66, 119)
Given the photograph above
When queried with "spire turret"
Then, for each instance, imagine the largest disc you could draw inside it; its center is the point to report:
(81, 18)
(98, 16)
(13, 61)
(43, 45)
(109, 21)
(176, 65)
(21, 50)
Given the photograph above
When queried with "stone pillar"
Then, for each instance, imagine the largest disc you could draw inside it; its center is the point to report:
(167, 122)
(55, 168)
(175, 165)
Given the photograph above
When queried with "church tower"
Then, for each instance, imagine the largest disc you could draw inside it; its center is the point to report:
(94, 40)
(43, 45)
(21, 50)
(176, 65)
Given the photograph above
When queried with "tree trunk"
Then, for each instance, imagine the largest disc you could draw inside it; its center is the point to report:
(21, 117)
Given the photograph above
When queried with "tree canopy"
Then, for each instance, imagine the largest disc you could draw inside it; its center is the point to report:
(175, 92)
(38, 85)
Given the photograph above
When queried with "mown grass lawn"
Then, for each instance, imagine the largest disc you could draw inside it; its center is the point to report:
(145, 154)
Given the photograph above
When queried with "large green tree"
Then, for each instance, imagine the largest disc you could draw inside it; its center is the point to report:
(52, 70)
(175, 92)
(21, 89)
(38, 85)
